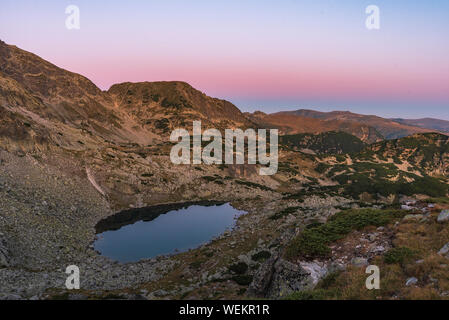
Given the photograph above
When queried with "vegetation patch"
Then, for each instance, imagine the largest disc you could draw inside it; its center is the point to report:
(313, 242)
(399, 255)
(324, 143)
(284, 213)
(239, 268)
(261, 256)
(216, 179)
(253, 185)
(383, 179)
(147, 175)
(243, 280)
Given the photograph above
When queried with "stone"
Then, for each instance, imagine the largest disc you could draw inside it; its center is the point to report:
(444, 216)
(359, 261)
(160, 293)
(413, 217)
(419, 261)
(316, 271)
(378, 249)
(444, 250)
(411, 281)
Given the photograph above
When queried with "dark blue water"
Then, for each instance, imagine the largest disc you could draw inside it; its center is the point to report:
(174, 231)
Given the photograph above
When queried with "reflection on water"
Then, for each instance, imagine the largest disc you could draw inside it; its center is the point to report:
(137, 234)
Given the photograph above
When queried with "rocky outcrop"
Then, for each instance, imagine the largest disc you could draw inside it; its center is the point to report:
(263, 278)
(278, 278)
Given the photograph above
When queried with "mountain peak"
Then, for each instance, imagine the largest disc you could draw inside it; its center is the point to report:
(176, 102)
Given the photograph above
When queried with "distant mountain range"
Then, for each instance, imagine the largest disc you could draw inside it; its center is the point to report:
(427, 123)
(389, 129)
(290, 123)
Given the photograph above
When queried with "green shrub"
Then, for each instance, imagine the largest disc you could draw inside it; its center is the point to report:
(442, 200)
(261, 256)
(243, 280)
(253, 185)
(322, 167)
(323, 291)
(328, 280)
(284, 213)
(147, 175)
(239, 268)
(196, 264)
(399, 255)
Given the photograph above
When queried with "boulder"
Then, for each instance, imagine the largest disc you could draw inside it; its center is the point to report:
(413, 217)
(359, 262)
(278, 278)
(289, 277)
(444, 250)
(411, 281)
(444, 216)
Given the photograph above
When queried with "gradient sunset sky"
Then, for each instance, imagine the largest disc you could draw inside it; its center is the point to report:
(260, 55)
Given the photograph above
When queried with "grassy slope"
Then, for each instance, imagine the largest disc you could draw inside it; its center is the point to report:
(416, 244)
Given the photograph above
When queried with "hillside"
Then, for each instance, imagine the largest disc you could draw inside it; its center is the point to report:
(324, 143)
(428, 153)
(61, 102)
(289, 124)
(426, 123)
(164, 106)
(389, 129)
(65, 109)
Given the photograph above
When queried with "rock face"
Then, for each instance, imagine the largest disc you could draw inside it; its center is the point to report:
(4, 254)
(444, 216)
(262, 279)
(278, 278)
